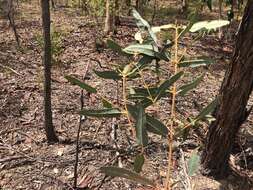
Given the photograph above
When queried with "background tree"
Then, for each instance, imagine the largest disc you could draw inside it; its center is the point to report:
(231, 111)
(108, 17)
(47, 57)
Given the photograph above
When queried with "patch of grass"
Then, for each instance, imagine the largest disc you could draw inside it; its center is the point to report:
(56, 43)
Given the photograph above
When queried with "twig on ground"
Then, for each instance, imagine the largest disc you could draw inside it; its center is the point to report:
(10, 158)
(9, 68)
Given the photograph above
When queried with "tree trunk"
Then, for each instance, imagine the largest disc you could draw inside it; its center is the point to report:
(108, 18)
(48, 124)
(10, 15)
(140, 6)
(184, 6)
(231, 110)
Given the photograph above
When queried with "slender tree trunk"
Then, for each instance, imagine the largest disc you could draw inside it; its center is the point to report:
(231, 111)
(128, 4)
(184, 6)
(48, 124)
(140, 6)
(108, 18)
(10, 15)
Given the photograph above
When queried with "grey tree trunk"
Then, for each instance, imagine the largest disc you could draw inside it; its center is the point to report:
(10, 15)
(48, 124)
(108, 17)
(231, 111)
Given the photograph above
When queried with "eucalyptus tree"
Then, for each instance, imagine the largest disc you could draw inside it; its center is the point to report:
(47, 58)
(233, 97)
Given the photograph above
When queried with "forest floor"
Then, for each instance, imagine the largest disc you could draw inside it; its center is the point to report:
(28, 162)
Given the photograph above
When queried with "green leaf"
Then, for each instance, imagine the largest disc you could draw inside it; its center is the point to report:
(77, 82)
(108, 112)
(144, 25)
(108, 74)
(209, 4)
(106, 103)
(166, 84)
(156, 126)
(127, 174)
(193, 163)
(208, 25)
(195, 63)
(146, 102)
(141, 131)
(146, 49)
(207, 110)
(157, 29)
(189, 26)
(115, 47)
(140, 22)
(143, 62)
(138, 163)
(186, 88)
(153, 125)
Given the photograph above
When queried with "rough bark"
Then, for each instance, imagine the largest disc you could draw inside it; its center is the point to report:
(47, 57)
(231, 110)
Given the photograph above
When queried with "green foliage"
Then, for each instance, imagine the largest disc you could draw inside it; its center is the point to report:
(193, 163)
(56, 44)
(138, 163)
(97, 6)
(75, 81)
(138, 96)
(141, 132)
(108, 112)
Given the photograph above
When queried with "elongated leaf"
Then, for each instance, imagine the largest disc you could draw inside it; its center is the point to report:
(214, 24)
(156, 126)
(108, 74)
(106, 103)
(141, 131)
(127, 174)
(208, 25)
(166, 84)
(144, 25)
(142, 63)
(195, 63)
(138, 163)
(157, 29)
(146, 49)
(153, 125)
(209, 4)
(83, 85)
(186, 88)
(108, 112)
(207, 110)
(193, 163)
(145, 92)
(140, 22)
(116, 47)
(192, 19)
(163, 55)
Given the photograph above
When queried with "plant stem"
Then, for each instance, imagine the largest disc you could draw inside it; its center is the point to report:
(173, 115)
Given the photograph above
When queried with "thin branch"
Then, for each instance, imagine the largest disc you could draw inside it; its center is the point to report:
(79, 129)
